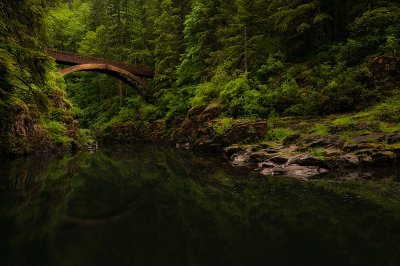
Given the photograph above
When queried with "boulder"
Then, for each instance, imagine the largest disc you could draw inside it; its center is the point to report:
(383, 157)
(292, 139)
(327, 142)
(240, 159)
(294, 170)
(229, 151)
(260, 156)
(349, 160)
(307, 160)
(267, 165)
(279, 159)
(394, 138)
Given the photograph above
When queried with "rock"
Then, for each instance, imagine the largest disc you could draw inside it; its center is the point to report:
(326, 142)
(259, 156)
(361, 146)
(186, 146)
(372, 126)
(366, 160)
(394, 138)
(350, 147)
(279, 159)
(291, 139)
(197, 125)
(295, 170)
(374, 137)
(267, 171)
(304, 171)
(383, 157)
(229, 151)
(267, 165)
(263, 146)
(240, 160)
(364, 152)
(332, 152)
(339, 128)
(272, 151)
(385, 68)
(350, 160)
(204, 136)
(243, 130)
(307, 160)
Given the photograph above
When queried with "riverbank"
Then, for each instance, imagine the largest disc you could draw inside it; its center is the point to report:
(280, 146)
(290, 146)
(305, 148)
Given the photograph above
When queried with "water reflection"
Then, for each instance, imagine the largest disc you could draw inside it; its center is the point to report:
(154, 205)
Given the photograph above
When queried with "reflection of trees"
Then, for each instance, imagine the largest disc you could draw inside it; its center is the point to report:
(33, 193)
(204, 211)
(142, 203)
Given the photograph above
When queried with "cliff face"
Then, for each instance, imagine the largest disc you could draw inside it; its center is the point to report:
(26, 135)
(30, 131)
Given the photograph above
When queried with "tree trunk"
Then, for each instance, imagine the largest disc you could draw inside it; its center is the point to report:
(245, 53)
(121, 97)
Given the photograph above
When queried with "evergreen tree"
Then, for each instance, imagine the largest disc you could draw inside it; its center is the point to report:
(200, 41)
(169, 44)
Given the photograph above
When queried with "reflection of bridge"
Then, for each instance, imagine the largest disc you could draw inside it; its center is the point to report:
(127, 72)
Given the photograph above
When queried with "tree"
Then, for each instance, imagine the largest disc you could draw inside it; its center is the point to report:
(169, 44)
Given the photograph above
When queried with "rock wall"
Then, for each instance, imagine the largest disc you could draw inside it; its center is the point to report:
(199, 129)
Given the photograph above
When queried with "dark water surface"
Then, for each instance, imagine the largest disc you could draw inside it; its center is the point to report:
(155, 205)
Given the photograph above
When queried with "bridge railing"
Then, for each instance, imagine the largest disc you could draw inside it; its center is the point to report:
(73, 58)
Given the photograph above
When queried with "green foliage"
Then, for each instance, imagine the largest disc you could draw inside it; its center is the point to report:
(320, 129)
(317, 152)
(57, 132)
(241, 99)
(204, 93)
(392, 46)
(279, 134)
(387, 111)
(67, 24)
(222, 126)
(85, 136)
(258, 58)
(343, 121)
(273, 66)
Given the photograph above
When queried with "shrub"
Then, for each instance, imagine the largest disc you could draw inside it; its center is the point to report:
(222, 126)
(243, 99)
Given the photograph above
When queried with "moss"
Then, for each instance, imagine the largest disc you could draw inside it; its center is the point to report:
(279, 134)
(222, 126)
(389, 127)
(344, 121)
(320, 129)
(317, 152)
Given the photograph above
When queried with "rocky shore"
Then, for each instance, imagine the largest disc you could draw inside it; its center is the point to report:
(296, 158)
(296, 147)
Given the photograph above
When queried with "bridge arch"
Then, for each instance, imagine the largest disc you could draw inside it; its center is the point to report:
(105, 68)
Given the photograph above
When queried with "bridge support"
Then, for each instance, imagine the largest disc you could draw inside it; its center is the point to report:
(105, 68)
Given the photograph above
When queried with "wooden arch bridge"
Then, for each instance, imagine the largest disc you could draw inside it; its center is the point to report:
(127, 72)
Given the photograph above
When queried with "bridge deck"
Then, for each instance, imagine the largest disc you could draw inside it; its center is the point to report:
(69, 58)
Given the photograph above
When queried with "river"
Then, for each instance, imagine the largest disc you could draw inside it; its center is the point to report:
(156, 205)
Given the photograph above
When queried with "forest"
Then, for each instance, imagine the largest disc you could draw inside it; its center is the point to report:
(268, 132)
(253, 59)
